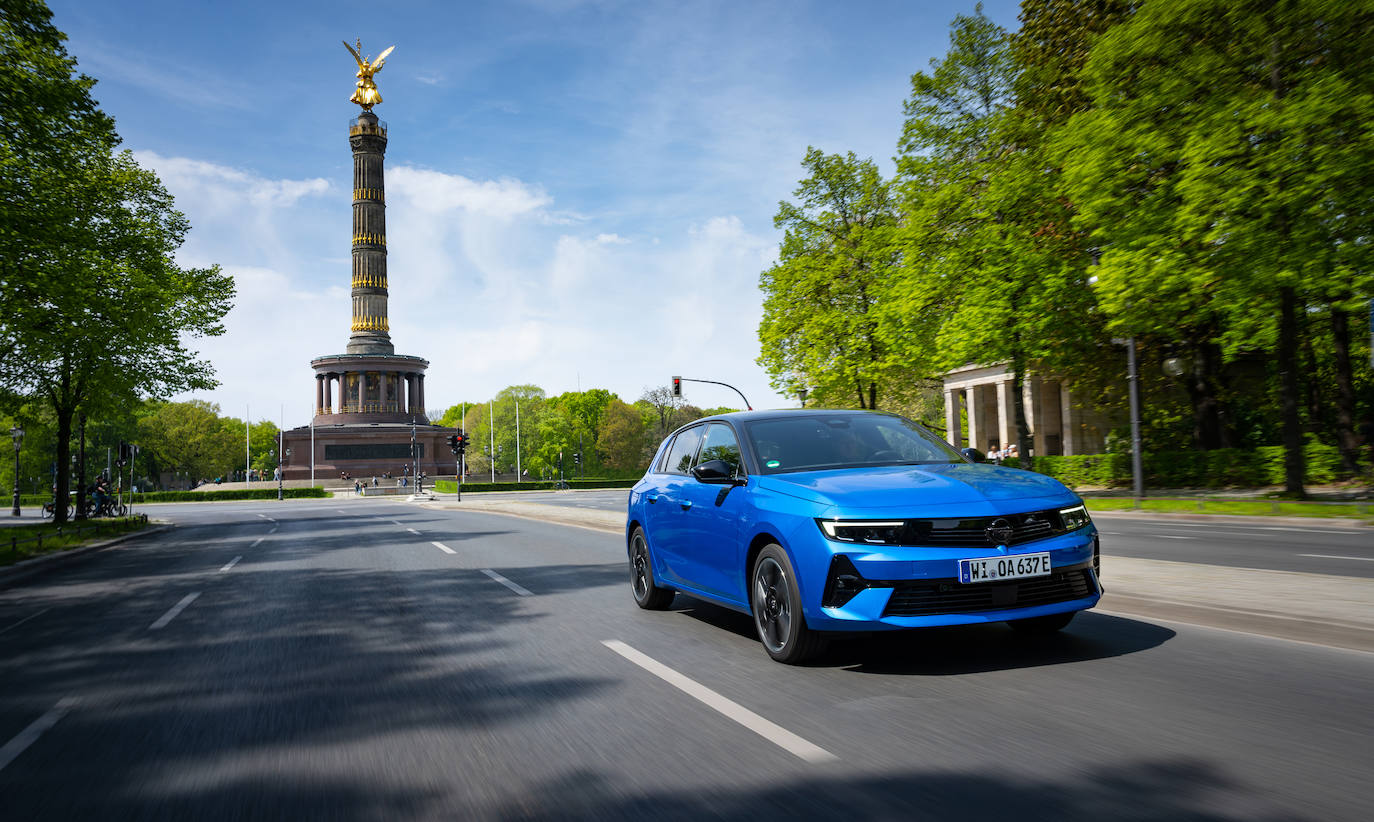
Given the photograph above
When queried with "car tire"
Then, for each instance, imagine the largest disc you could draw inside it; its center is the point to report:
(648, 595)
(775, 602)
(1043, 625)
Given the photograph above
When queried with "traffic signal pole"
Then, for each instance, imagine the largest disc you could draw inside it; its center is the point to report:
(678, 381)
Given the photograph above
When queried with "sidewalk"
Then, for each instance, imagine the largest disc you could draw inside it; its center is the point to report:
(1319, 608)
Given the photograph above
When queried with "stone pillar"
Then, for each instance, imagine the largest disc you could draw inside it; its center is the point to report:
(1068, 416)
(384, 389)
(339, 378)
(319, 394)
(410, 393)
(1006, 413)
(953, 435)
(420, 378)
(977, 435)
(1031, 393)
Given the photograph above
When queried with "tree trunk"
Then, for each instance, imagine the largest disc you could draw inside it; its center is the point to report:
(1293, 467)
(63, 460)
(81, 469)
(873, 395)
(1346, 439)
(1211, 418)
(1018, 404)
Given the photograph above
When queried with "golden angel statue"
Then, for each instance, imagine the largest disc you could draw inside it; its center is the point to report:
(366, 94)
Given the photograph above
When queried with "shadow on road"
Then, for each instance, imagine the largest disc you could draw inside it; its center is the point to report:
(1189, 791)
(960, 649)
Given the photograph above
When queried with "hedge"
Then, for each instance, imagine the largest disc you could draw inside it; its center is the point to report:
(1190, 469)
(206, 496)
(449, 486)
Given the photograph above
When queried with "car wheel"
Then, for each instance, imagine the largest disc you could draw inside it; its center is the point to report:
(1044, 625)
(776, 603)
(647, 595)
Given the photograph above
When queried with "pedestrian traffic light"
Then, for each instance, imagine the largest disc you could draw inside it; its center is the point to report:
(677, 386)
(453, 443)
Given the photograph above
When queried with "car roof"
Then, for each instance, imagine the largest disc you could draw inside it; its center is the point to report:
(779, 413)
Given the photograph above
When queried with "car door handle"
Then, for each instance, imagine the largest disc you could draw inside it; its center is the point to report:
(685, 504)
(651, 500)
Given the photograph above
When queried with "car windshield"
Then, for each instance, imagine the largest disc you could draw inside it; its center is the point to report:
(820, 442)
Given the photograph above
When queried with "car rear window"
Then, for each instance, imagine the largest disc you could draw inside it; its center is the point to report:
(684, 448)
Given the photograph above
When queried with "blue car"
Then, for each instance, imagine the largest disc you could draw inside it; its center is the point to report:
(823, 522)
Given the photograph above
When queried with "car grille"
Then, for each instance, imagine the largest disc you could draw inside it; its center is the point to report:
(1025, 527)
(948, 596)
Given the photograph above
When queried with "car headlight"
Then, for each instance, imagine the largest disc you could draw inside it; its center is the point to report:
(1074, 518)
(868, 532)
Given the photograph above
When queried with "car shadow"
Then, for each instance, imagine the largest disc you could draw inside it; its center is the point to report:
(960, 649)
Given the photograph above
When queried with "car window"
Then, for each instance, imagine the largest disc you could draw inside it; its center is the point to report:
(683, 449)
(720, 444)
(823, 442)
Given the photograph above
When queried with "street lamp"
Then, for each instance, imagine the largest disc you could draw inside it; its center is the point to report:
(18, 434)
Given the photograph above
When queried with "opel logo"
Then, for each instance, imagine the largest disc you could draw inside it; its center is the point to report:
(999, 532)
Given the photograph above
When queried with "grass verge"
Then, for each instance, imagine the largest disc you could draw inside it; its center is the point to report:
(21, 542)
(1253, 508)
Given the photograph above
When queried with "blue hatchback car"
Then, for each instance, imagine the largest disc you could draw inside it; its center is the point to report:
(818, 522)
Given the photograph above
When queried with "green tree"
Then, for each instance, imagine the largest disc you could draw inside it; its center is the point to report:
(1231, 182)
(820, 326)
(95, 304)
(191, 437)
(622, 438)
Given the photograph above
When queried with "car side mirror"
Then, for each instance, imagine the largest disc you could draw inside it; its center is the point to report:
(973, 455)
(717, 472)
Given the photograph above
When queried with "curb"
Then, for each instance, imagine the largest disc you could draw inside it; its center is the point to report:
(36, 566)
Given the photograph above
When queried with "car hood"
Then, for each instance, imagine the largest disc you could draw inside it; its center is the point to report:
(917, 486)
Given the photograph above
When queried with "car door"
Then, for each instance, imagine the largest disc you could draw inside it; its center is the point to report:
(664, 505)
(710, 555)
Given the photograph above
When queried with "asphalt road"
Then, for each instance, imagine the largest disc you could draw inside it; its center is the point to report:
(329, 660)
(1321, 547)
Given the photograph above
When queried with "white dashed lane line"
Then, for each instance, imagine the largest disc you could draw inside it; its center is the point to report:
(172, 613)
(231, 563)
(37, 728)
(524, 592)
(443, 547)
(25, 619)
(256, 541)
(767, 729)
(1330, 556)
(413, 531)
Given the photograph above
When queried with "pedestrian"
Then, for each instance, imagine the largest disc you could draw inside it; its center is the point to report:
(357, 488)
(374, 480)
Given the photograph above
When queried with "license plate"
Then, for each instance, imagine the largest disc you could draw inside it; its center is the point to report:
(999, 568)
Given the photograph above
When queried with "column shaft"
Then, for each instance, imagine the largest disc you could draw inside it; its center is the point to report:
(953, 435)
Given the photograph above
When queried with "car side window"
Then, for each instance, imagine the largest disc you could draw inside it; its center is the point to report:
(683, 449)
(720, 444)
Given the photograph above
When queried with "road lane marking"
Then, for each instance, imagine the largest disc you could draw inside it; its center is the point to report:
(413, 531)
(770, 731)
(274, 529)
(1171, 536)
(341, 511)
(26, 619)
(1330, 556)
(264, 516)
(231, 563)
(37, 728)
(172, 614)
(398, 522)
(511, 585)
(443, 547)
(256, 541)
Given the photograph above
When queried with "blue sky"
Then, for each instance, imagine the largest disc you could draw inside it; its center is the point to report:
(579, 193)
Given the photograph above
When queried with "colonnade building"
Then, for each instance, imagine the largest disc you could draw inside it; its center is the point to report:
(979, 410)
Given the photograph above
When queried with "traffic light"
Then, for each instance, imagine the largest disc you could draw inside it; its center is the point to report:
(462, 440)
(453, 443)
(577, 458)
(125, 453)
(677, 386)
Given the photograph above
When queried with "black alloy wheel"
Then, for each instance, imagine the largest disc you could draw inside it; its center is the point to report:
(776, 605)
(648, 595)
